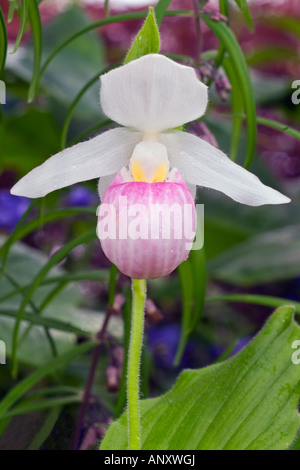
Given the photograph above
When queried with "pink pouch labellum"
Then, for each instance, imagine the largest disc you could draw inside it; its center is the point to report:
(147, 229)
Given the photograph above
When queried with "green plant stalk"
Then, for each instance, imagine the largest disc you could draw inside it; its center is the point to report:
(106, 8)
(46, 429)
(237, 108)
(187, 291)
(135, 347)
(3, 42)
(24, 15)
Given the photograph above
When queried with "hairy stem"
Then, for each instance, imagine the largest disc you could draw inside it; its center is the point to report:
(136, 339)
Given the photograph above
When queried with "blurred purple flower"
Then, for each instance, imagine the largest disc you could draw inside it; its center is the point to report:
(81, 196)
(201, 130)
(163, 342)
(241, 344)
(217, 350)
(280, 151)
(11, 209)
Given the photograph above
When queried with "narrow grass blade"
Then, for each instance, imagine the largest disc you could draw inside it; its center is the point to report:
(3, 42)
(36, 29)
(55, 364)
(24, 17)
(56, 258)
(160, 10)
(228, 39)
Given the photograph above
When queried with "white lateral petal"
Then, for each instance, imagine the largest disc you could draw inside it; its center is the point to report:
(193, 189)
(104, 183)
(153, 94)
(202, 164)
(123, 176)
(103, 155)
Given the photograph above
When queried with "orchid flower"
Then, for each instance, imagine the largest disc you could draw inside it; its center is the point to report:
(150, 97)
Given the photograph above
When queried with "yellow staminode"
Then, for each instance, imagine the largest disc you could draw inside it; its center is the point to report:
(149, 162)
(160, 174)
(139, 174)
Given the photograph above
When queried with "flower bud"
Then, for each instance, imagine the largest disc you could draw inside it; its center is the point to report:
(153, 314)
(115, 308)
(112, 379)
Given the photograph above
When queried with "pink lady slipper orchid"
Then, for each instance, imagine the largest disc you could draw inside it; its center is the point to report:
(148, 163)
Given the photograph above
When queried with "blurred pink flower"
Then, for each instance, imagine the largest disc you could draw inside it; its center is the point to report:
(280, 151)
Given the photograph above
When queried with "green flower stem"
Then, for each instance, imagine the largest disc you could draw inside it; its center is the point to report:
(135, 346)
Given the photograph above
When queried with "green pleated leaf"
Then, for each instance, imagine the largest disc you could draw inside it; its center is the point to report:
(248, 402)
(240, 69)
(243, 6)
(24, 16)
(296, 443)
(3, 42)
(147, 40)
